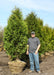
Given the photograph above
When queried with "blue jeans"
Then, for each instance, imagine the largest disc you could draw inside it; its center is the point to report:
(34, 58)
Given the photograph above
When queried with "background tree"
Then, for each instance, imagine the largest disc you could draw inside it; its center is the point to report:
(52, 40)
(46, 36)
(34, 23)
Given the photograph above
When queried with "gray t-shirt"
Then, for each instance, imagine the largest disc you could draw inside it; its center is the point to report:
(33, 43)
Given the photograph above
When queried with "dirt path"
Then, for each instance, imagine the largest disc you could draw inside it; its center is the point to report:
(4, 69)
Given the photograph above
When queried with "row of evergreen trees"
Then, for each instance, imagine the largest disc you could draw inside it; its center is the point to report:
(18, 31)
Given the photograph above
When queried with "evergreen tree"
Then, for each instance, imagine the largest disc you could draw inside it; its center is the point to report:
(46, 39)
(34, 24)
(15, 35)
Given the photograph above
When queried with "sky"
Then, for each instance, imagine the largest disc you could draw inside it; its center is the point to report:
(43, 8)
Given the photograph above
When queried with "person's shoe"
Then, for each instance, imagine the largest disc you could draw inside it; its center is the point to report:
(38, 71)
(31, 71)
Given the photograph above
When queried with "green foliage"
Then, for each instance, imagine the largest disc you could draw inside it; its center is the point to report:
(46, 38)
(34, 24)
(15, 35)
(18, 31)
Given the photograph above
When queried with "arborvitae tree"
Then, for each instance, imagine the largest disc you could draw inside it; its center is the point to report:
(52, 40)
(31, 20)
(15, 35)
(34, 23)
(46, 39)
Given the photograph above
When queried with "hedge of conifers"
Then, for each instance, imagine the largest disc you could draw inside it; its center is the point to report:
(18, 30)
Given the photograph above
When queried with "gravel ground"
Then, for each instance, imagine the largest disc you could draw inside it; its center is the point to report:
(46, 67)
(4, 69)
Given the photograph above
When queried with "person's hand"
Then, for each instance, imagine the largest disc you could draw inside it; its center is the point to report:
(27, 52)
(36, 52)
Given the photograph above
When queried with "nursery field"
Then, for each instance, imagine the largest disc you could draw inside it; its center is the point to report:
(46, 66)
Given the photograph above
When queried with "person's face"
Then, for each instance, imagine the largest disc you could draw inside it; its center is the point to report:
(32, 35)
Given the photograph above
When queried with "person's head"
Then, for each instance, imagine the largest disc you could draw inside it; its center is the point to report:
(32, 34)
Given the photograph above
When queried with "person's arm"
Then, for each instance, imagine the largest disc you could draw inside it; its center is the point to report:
(37, 49)
(27, 52)
(38, 43)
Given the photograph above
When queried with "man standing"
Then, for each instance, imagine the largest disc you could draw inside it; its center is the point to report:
(33, 46)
